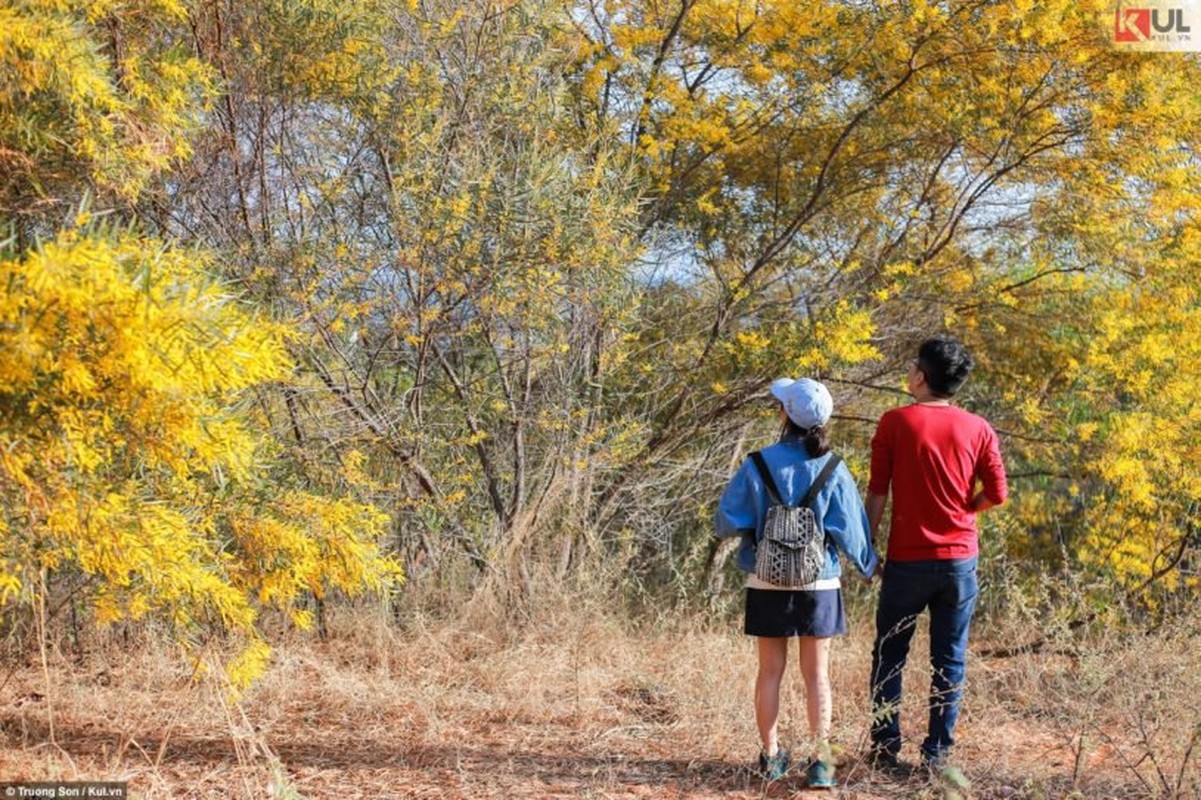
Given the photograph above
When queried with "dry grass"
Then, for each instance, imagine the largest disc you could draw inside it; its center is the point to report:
(580, 705)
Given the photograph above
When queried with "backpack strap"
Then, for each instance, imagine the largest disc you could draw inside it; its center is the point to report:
(768, 481)
(831, 464)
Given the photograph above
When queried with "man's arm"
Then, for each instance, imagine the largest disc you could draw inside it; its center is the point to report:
(879, 482)
(879, 475)
(991, 471)
(875, 512)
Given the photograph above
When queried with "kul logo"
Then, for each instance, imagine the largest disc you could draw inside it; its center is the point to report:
(1135, 24)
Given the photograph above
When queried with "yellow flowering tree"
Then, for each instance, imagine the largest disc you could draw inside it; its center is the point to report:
(140, 472)
(92, 94)
(134, 467)
(995, 169)
(539, 262)
(453, 253)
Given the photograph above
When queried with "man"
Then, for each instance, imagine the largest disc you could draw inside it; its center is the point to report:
(931, 455)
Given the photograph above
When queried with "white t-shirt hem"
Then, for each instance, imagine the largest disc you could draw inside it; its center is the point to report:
(753, 582)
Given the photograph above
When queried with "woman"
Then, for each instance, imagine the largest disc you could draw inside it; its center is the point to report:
(813, 612)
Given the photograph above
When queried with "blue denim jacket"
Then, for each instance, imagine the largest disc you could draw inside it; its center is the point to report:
(743, 507)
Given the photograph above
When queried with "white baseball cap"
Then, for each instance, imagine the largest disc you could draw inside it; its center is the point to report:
(807, 402)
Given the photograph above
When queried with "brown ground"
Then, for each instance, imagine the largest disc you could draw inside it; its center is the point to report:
(573, 710)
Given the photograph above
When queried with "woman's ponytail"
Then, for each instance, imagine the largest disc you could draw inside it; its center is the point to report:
(816, 443)
(815, 438)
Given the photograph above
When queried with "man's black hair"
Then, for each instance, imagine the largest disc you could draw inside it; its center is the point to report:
(946, 364)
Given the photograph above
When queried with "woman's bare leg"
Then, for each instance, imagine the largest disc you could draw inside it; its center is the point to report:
(773, 657)
(819, 705)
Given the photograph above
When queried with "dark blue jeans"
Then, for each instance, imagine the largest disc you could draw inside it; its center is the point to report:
(949, 589)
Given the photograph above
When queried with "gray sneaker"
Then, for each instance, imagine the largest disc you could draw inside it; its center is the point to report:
(820, 775)
(773, 768)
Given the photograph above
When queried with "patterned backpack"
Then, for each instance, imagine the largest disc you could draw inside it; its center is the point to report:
(792, 551)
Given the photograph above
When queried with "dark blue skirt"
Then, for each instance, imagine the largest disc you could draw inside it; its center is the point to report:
(781, 613)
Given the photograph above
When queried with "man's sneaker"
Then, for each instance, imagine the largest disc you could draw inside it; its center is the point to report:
(773, 768)
(886, 761)
(820, 775)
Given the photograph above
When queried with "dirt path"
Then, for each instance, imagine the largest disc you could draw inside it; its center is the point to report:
(456, 716)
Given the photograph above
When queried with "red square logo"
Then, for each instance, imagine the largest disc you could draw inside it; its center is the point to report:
(1132, 25)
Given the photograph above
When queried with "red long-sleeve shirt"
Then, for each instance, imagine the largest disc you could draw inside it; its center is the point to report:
(932, 458)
